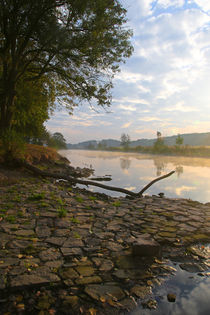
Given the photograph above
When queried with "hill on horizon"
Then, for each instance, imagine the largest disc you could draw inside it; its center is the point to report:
(192, 139)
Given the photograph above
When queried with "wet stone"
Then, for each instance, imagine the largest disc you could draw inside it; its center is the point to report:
(47, 222)
(43, 231)
(71, 251)
(128, 304)
(141, 291)
(4, 263)
(114, 246)
(68, 273)
(28, 280)
(193, 267)
(62, 223)
(171, 297)
(18, 270)
(54, 264)
(104, 291)
(24, 233)
(85, 270)
(56, 240)
(61, 232)
(71, 301)
(88, 280)
(106, 265)
(146, 247)
(49, 254)
(73, 242)
(2, 284)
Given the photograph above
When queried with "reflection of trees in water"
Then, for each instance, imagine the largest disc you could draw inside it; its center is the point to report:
(160, 166)
(179, 170)
(125, 164)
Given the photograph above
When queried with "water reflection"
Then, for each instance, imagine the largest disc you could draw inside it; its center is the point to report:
(191, 180)
(125, 163)
(192, 296)
(160, 166)
(179, 170)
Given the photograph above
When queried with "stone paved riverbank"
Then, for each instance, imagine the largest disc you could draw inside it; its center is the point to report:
(68, 251)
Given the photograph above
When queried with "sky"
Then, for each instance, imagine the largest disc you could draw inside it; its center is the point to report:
(164, 86)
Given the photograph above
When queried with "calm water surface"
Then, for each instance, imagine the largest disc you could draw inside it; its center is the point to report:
(134, 171)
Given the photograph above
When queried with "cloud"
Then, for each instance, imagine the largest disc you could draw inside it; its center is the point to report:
(133, 77)
(181, 107)
(181, 189)
(148, 118)
(203, 4)
(126, 125)
(168, 3)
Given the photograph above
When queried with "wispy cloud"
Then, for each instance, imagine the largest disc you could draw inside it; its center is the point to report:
(164, 85)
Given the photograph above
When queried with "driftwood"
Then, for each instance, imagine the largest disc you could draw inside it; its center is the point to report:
(73, 180)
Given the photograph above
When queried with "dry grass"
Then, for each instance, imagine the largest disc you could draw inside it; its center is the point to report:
(38, 154)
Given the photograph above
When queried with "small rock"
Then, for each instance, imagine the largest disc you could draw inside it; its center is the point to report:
(151, 304)
(171, 297)
(146, 247)
(141, 291)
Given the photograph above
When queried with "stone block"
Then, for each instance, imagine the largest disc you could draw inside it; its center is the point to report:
(145, 247)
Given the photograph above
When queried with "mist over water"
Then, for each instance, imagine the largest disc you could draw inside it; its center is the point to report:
(134, 170)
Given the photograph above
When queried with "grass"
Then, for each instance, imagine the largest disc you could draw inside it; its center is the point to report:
(62, 212)
(77, 235)
(117, 203)
(74, 220)
(11, 219)
(79, 199)
(36, 197)
(92, 198)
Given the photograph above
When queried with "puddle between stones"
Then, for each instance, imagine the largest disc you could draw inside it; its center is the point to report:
(185, 293)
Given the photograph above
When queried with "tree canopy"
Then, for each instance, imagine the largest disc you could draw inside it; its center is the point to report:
(70, 47)
(125, 140)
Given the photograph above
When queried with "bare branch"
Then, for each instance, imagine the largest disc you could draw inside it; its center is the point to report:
(74, 180)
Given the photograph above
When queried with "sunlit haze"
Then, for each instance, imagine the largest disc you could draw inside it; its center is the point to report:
(164, 86)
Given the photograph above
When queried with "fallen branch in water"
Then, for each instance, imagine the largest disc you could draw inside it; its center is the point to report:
(73, 180)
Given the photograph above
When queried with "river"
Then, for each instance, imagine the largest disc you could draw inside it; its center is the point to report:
(134, 170)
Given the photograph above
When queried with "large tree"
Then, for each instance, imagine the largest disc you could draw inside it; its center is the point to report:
(76, 44)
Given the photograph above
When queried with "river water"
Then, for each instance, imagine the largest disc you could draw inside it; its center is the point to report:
(133, 171)
(191, 180)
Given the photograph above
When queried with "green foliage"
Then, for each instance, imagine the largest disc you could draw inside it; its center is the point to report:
(66, 51)
(36, 197)
(125, 140)
(57, 141)
(179, 140)
(116, 203)
(29, 250)
(92, 198)
(74, 220)
(77, 235)
(159, 145)
(62, 212)
(11, 219)
(79, 199)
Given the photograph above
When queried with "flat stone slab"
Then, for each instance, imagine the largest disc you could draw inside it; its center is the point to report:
(146, 247)
(30, 280)
(104, 291)
(49, 254)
